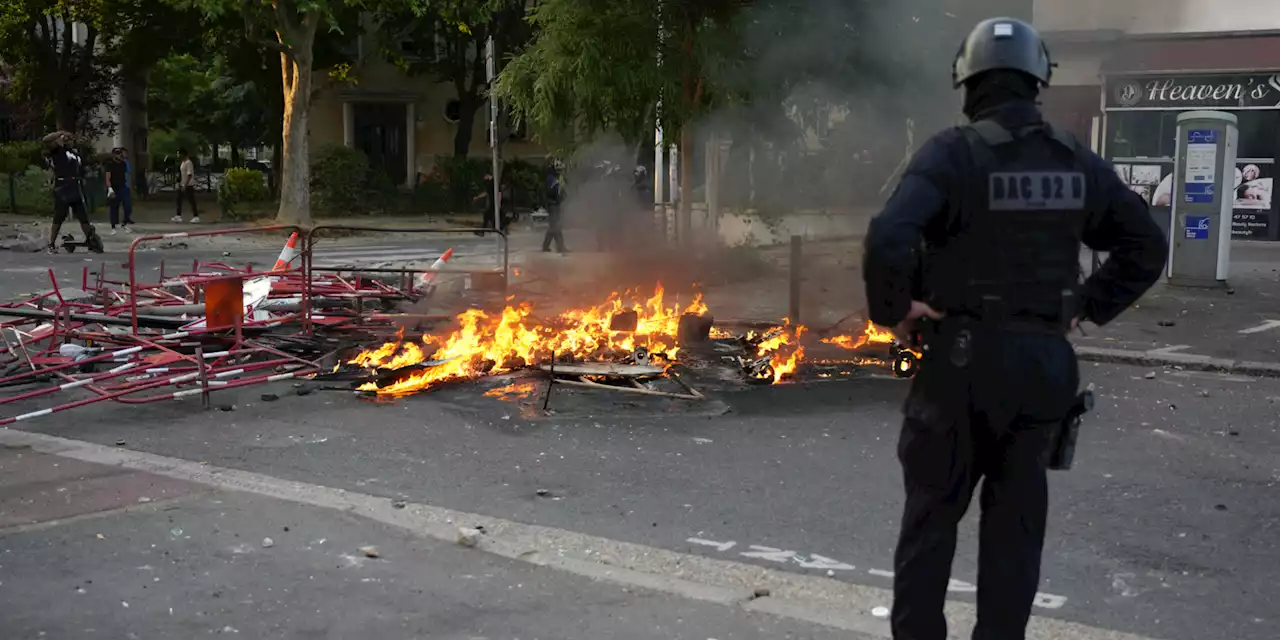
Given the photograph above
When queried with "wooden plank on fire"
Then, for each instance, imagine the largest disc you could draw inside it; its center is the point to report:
(608, 369)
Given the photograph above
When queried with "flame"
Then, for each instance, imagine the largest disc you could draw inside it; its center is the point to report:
(782, 346)
(486, 343)
(511, 392)
(870, 335)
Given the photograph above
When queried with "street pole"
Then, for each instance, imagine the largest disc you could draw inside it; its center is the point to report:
(495, 146)
(659, 147)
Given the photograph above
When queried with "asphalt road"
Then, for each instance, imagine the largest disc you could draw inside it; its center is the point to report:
(191, 563)
(1164, 527)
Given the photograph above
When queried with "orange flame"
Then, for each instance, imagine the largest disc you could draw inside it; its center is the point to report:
(782, 345)
(494, 344)
(870, 335)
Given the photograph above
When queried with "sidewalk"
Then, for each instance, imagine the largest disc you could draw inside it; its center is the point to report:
(92, 550)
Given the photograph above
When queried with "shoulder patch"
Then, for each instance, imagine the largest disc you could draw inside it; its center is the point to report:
(1036, 191)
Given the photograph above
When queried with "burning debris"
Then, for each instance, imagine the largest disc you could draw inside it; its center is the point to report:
(906, 359)
(640, 331)
(775, 354)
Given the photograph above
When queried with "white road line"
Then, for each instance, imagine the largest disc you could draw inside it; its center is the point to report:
(1265, 326)
(813, 599)
(1168, 350)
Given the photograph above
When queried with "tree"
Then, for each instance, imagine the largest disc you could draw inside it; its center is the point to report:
(289, 28)
(54, 65)
(446, 40)
(147, 31)
(601, 65)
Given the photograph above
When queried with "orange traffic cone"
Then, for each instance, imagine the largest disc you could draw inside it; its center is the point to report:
(426, 280)
(288, 254)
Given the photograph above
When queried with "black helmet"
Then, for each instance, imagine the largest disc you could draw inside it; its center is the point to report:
(1003, 43)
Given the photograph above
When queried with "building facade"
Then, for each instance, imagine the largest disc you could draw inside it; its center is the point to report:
(402, 123)
(1127, 68)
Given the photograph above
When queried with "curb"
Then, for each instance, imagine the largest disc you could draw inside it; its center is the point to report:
(825, 601)
(1184, 360)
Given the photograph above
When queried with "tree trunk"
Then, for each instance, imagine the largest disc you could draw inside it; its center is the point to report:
(297, 37)
(134, 123)
(65, 116)
(467, 110)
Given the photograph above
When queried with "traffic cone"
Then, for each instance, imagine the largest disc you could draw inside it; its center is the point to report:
(428, 277)
(288, 254)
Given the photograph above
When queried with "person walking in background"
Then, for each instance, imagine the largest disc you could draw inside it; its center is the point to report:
(555, 232)
(186, 186)
(119, 189)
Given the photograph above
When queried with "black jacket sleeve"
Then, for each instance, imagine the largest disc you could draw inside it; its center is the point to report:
(1138, 249)
(891, 251)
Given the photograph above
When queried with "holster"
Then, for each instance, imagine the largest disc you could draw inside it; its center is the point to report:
(1062, 451)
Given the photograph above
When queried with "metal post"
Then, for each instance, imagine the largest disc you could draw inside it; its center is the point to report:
(793, 313)
(491, 72)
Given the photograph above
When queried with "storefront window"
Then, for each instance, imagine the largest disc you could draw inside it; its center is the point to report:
(1142, 134)
(1259, 134)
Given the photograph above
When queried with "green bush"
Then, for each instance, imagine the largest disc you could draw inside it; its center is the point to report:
(528, 183)
(462, 179)
(32, 190)
(240, 187)
(15, 157)
(339, 180)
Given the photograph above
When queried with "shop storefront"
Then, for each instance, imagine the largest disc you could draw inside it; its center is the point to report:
(1140, 122)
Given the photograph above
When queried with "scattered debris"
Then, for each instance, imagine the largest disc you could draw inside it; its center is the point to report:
(267, 543)
(468, 537)
(398, 504)
(1167, 323)
(880, 612)
(1151, 375)
(761, 592)
(1220, 507)
(270, 397)
(543, 492)
(369, 551)
(120, 443)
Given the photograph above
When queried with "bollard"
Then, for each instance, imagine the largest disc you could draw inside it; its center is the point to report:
(793, 307)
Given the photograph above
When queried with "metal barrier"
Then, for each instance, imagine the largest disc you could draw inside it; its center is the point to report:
(312, 274)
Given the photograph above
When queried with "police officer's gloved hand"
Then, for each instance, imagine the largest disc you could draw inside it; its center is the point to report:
(111, 192)
(919, 310)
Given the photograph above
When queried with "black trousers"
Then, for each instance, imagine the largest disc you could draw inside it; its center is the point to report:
(188, 194)
(68, 200)
(555, 232)
(990, 422)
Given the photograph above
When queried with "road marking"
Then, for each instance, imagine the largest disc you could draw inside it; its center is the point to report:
(1265, 326)
(1168, 350)
(815, 561)
(719, 546)
(818, 600)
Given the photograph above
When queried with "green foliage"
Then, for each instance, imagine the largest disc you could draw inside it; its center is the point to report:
(165, 146)
(460, 180)
(32, 190)
(528, 183)
(339, 179)
(17, 156)
(240, 187)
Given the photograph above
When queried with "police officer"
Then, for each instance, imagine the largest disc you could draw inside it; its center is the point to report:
(68, 194)
(993, 215)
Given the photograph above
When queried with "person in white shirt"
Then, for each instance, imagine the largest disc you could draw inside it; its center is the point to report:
(186, 186)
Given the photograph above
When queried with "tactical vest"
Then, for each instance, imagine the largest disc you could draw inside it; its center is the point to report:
(66, 167)
(1012, 256)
